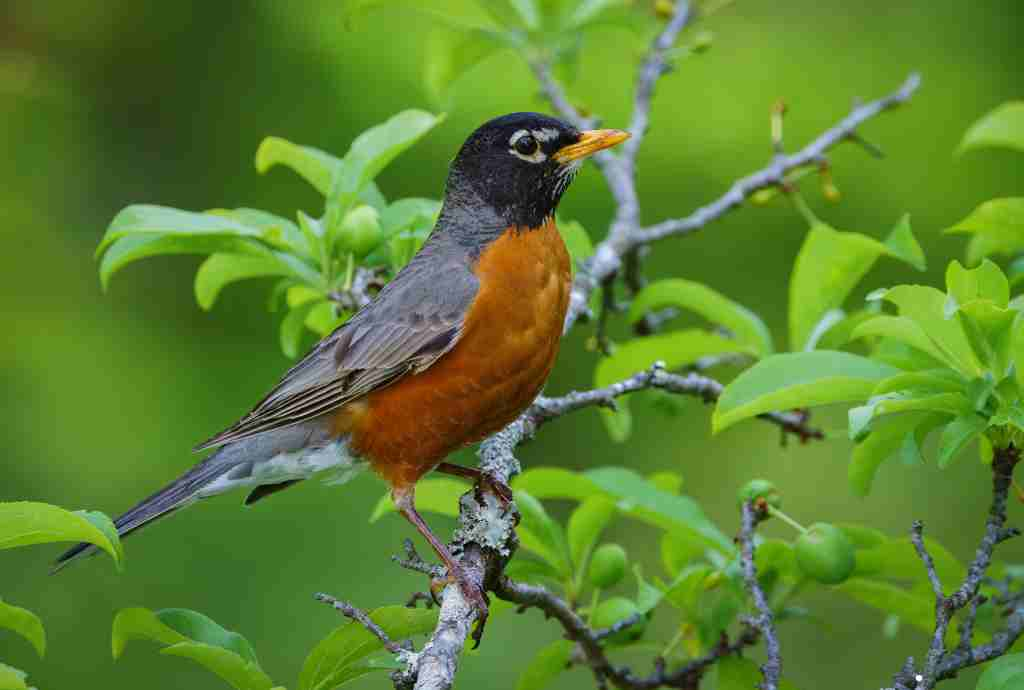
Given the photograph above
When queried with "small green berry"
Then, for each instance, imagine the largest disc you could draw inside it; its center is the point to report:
(360, 231)
(824, 553)
(759, 489)
(611, 611)
(607, 566)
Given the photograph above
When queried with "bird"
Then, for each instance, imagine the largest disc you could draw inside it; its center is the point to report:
(451, 350)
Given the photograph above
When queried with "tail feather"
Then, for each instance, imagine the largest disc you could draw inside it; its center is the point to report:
(175, 495)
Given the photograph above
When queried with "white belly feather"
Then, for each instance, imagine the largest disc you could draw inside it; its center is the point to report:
(334, 463)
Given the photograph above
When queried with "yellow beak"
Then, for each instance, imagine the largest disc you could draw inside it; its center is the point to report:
(591, 141)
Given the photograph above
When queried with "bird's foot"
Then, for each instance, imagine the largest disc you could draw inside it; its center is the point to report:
(471, 591)
(501, 490)
(483, 480)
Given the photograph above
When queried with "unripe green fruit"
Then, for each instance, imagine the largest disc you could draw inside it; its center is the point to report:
(825, 554)
(611, 611)
(360, 231)
(607, 566)
(759, 488)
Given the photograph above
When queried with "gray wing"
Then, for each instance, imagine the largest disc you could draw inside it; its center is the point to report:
(414, 320)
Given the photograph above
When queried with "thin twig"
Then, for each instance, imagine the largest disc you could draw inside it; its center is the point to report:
(686, 676)
(692, 384)
(607, 257)
(941, 663)
(771, 670)
(362, 618)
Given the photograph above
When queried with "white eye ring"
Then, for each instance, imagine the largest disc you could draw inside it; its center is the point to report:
(537, 156)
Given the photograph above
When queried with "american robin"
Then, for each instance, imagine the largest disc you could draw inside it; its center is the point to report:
(451, 350)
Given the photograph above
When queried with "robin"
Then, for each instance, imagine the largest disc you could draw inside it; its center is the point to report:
(455, 347)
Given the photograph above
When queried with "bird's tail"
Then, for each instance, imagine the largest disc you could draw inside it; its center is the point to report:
(178, 494)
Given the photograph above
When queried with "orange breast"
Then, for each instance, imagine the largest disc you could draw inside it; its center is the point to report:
(508, 345)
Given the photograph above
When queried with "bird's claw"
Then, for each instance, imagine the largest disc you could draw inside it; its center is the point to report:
(473, 594)
(501, 490)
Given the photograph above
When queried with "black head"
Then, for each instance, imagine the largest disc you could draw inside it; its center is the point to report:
(515, 168)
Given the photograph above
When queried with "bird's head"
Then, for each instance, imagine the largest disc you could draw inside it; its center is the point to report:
(519, 165)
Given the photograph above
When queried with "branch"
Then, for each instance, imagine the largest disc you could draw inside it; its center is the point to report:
(589, 641)
(692, 384)
(771, 670)
(623, 237)
(941, 663)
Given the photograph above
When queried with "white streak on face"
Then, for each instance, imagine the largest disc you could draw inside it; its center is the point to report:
(565, 174)
(546, 134)
(536, 157)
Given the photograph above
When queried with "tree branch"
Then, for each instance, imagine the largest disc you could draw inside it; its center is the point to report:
(771, 670)
(941, 663)
(589, 641)
(623, 237)
(692, 384)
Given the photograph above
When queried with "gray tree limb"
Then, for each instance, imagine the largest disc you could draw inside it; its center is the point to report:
(764, 621)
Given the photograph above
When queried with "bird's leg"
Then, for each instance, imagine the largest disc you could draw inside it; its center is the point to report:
(404, 500)
(500, 489)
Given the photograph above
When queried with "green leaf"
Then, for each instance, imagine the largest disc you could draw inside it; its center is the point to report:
(225, 664)
(903, 330)
(313, 165)
(589, 11)
(958, 434)
(553, 482)
(294, 325)
(439, 496)
(829, 266)
(194, 636)
(902, 244)
(542, 535)
(926, 307)
(336, 659)
(918, 609)
(1002, 127)
(585, 526)
(372, 150)
(200, 628)
(640, 499)
(897, 559)
(24, 523)
(12, 678)
(407, 214)
(528, 12)
(997, 226)
(146, 220)
(549, 662)
(986, 282)
(221, 269)
(1004, 673)
(128, 249)
(675, 349)
(103, 523)
(883, 442)
(794, 380)
(25, 623)
(744, 324)
(274, 230)
(647, 595)
(678, 552)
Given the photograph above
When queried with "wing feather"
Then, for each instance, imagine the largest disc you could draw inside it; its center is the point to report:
(415, 320)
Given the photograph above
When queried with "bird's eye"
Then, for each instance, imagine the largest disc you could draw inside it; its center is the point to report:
(526, 145)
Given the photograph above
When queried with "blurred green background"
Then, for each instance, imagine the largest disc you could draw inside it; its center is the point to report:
(109, 102)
